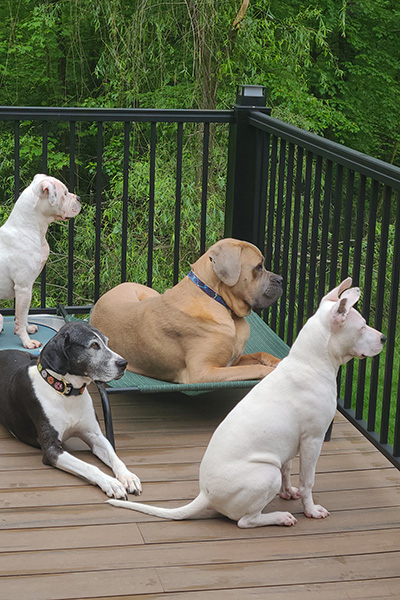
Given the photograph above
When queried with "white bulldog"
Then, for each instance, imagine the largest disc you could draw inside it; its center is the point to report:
(247, 462)
(24, 248)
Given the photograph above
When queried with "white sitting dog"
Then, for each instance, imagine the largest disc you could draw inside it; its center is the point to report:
(24, 248)
(247, 462)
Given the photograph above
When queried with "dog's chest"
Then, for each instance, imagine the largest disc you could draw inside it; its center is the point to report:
(65, 413)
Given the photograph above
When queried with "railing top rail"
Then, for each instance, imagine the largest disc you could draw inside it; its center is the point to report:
(21, 113)
(356, 161)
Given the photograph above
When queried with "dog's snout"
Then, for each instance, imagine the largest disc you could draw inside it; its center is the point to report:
(383, 339)
(76, 205)
(277, 279)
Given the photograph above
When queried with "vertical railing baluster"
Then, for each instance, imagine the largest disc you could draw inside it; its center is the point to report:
(301, 288)
(392, 326)
(367, 293)
(286, 237)
(204, 184)
(294, 245)
(314, 237)
(337, 205)
(44, 167)
(98, 198)
(125, 196)
(379, 308)
(358, 243)
(278, 225)
(269, 237)
(178, 200)
(325, 230)
(71, 229)
(150, 245)
(17, 181)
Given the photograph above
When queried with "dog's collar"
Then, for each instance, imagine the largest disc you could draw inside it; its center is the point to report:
(210, 292)
(60, 385)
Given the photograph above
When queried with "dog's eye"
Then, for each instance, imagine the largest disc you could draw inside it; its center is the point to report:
(95, 345)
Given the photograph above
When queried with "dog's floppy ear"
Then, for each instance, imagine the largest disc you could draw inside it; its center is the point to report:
(225, 259)
(54, 355)
(335, 294)
(342, 307)
(47, 188)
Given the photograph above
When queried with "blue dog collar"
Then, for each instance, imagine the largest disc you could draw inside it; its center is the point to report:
(203, 286)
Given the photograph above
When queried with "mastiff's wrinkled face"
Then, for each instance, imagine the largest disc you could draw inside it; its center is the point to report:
(82, 350)
(257, 286)
(240, 267)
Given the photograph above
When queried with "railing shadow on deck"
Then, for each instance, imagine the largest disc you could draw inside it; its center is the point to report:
(318, 210)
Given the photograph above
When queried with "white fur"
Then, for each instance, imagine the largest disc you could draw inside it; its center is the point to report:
(23, 246)
(247, 462)
(74, 416)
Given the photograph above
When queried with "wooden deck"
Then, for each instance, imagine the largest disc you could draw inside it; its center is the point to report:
(59, 540)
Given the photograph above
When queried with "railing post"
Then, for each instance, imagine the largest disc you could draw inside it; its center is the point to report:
(247, 170)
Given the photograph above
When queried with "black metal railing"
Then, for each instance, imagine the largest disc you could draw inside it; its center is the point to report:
(319, 211)
(330, 212)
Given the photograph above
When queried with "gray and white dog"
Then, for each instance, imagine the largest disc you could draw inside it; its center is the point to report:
(45, 401)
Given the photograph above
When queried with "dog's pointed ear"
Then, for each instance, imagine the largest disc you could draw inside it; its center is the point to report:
(335, 294)
(54, 355)
(342, 307)
(226, 262)
(48, 189)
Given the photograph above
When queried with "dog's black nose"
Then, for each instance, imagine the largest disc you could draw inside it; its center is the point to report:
(121, 363)
(383, 339)
(278, 279)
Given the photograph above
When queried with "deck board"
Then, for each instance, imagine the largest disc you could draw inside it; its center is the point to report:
(60, 540)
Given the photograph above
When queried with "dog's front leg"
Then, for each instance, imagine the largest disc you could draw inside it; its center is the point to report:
(102, 448)
(23, 296)
(310, 449)
(69, 463)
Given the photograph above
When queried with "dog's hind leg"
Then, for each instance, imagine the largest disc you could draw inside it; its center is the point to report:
(271, 480)
(287, 491)
(1, 323)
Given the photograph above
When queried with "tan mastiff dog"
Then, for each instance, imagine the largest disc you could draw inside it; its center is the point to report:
(196, 331)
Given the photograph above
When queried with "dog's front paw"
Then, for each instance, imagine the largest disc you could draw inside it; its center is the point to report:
(317, 512)
(31, 344)
(131, 483)
(286, 519)
(113, 488)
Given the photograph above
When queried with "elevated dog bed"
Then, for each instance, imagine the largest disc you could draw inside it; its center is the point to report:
(262, 339)
(48, 326)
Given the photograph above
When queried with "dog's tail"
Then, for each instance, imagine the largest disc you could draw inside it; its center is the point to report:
(199, 508)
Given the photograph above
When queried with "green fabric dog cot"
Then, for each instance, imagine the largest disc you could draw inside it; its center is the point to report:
(262, 339)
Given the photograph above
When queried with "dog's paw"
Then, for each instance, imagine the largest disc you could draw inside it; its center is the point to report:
(286, 519)
(31, 329)
(131, 483)
(269, 360)
(317, 512)
(290, 493)
(113, 488)
(31, 344)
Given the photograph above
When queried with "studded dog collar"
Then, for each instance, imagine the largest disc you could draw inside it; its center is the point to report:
(60, 385)
(210, 292)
